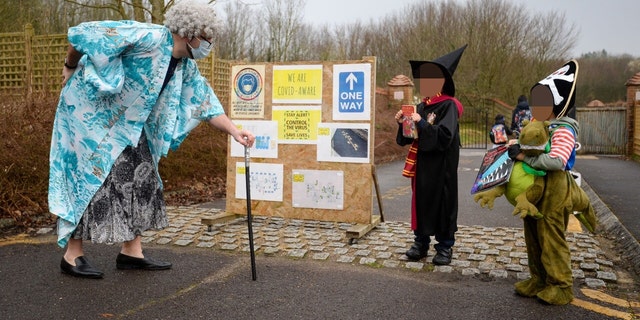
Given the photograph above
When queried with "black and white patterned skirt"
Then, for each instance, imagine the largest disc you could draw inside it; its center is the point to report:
(129, 202)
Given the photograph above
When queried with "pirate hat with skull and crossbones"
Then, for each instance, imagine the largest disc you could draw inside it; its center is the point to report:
(556, 93)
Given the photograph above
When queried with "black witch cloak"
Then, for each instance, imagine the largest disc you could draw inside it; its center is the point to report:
(435, 184)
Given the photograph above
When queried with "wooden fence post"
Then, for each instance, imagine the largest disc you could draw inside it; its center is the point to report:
(28, 53)
(633, 116)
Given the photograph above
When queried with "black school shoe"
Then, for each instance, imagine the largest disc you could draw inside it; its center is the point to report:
(125, 262)
(443, 257)
(417, 251)
(82, 269)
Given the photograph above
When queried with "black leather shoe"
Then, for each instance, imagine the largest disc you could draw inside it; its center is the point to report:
(417, 251)
(443, 257)
(125, 262)
(82, 269)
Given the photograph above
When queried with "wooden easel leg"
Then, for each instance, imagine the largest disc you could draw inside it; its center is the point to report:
(356, 232)
(378, 196)
(359, 230)
(218, 218)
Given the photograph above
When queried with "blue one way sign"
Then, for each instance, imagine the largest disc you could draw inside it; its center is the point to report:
(351, 92)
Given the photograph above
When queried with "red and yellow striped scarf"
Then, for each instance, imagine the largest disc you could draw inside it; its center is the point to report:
(409, 170)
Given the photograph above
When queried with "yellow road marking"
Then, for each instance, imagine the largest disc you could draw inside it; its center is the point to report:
(602, 310)
(397, 191)
(589, 157)
(574, 225)
(26, 239)
(599, 295)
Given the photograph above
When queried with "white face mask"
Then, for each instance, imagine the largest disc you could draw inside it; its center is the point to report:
(200, 52)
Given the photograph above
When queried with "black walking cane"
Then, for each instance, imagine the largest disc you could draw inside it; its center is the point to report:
(249, 218)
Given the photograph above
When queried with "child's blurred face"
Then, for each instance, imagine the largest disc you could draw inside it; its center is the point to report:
(429, 87)
(541, 103)
(431, 80)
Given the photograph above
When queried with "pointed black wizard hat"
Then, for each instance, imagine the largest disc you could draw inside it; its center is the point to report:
(447, 63)
(556, 93)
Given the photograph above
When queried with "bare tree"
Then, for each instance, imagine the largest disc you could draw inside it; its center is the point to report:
(352, 41)
(508, 50)
(323, 45)
(283, 19)
(602, 76)
(139, 10)
(41, 14)
(299, 47)
(233, 40)
(496, 32)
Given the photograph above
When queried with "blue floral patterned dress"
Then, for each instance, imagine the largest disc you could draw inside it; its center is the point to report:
(111, 100)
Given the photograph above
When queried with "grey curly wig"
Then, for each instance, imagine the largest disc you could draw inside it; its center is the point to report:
(191, 19)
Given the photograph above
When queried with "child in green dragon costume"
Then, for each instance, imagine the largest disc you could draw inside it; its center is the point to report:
(553, 196)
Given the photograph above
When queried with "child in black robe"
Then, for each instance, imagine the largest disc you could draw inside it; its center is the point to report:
(432, 162)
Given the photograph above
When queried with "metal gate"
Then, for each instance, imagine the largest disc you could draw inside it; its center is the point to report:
(602, 130)
(474, 128)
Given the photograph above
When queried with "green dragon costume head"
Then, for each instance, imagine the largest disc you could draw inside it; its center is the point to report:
(534, 137)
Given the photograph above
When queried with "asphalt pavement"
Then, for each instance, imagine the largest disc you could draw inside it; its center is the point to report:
(310, 270)
(615, 181)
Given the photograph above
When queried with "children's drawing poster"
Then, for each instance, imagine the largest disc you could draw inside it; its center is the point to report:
(343, 142)
(321, 189)
(247, 98)
(265, 180)
(297, 124)
(297, 84)
(266, 143)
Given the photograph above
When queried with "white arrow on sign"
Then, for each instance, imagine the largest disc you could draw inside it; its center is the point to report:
(351, 79)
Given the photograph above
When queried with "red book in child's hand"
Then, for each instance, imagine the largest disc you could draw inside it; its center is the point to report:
(408, 109)
(408, 126)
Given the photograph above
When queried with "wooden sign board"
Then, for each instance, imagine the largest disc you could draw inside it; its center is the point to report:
(314, 128)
